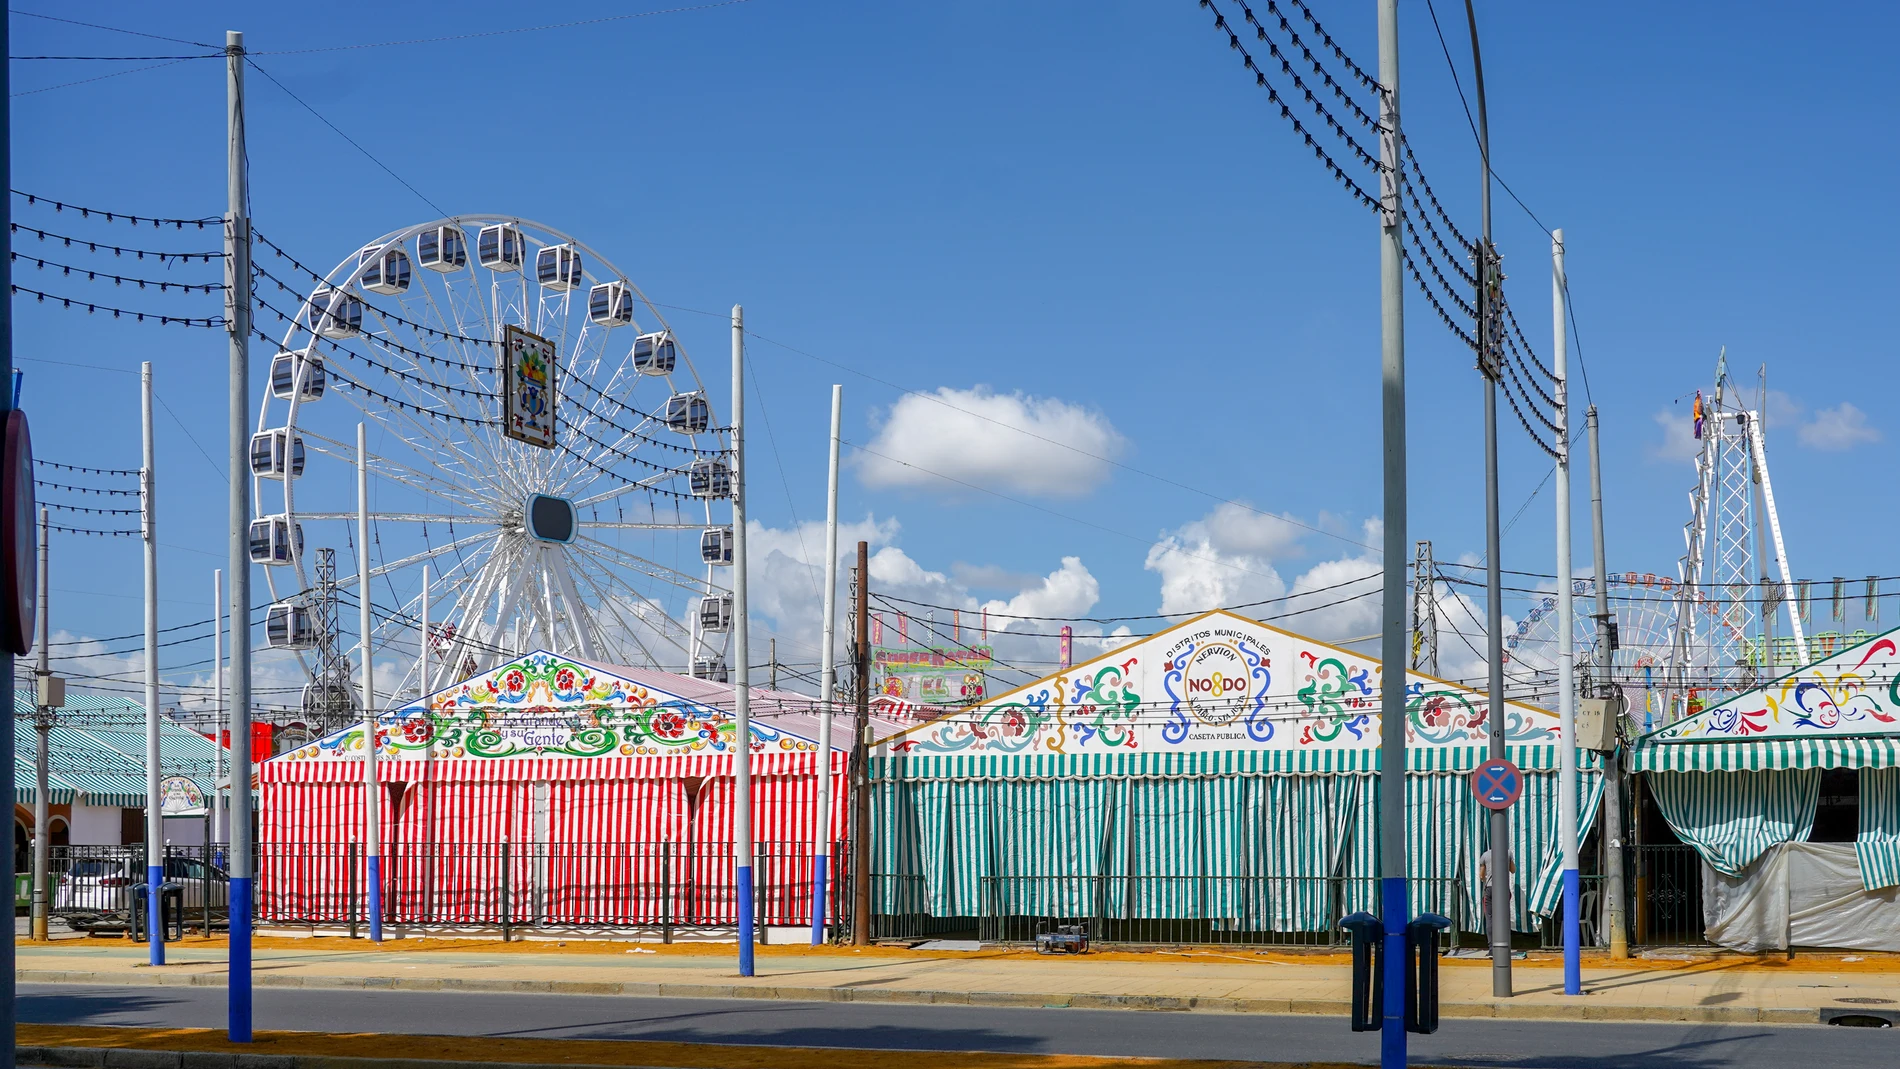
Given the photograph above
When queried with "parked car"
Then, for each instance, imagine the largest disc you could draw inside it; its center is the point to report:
(95, 894)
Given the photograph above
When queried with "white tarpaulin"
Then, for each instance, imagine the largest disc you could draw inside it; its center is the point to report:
(1800, 894)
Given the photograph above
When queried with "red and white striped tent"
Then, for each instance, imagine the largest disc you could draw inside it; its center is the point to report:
(551, 791)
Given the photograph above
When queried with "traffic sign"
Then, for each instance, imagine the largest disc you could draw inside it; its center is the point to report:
(1497, 783)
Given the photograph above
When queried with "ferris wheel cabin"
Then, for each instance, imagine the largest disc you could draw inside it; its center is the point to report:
(289, 626)
(712, 671)
(385, 270)
(655, 354)
(558, 267)
(442, 248)
(277, 453)
(715, 545)
(715, 612)
(299, 374)
(710, 478)
(334, 313)
(500, 247)
(275, 540)
(610, 304)
(688, 413)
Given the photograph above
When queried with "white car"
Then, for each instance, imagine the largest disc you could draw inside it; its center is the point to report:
(95, 893)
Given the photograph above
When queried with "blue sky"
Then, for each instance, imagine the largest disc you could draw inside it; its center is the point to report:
(1084, 211)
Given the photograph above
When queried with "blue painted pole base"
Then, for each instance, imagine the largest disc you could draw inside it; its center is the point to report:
(154, 915)
(240, 974)
(374, 864)
(745, 920)
(1573, 934)
(819, 862)
(1392, 1027)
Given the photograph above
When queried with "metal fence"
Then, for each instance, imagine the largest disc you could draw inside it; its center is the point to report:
(512, 886)
(94, 888)
(1666, 896)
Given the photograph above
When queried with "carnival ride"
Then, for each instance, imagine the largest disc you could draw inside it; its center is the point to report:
(538, 437)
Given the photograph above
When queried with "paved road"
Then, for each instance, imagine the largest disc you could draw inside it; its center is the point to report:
(1532, 1044)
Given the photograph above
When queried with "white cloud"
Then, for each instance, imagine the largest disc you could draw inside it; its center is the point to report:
(1839, 428)
(1678, 436)
(1233, 555)
(1035, 445)
(1069, 591)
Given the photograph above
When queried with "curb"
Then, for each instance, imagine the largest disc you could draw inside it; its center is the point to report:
(125, 1058)
(993, 999)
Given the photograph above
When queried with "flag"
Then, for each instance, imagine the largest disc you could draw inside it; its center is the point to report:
(1698, 415)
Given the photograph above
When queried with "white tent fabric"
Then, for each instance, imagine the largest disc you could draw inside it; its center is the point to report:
(1800, 895)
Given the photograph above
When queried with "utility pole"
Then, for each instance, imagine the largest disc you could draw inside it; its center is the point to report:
(219, 817)
(1490, 361)
(1566, 634)
(42, 727)
(372, 788)
(237, 298)
(8, 956)
(861, 750)
(1392, 651)
(1612, 835)
(742, 670)
(772, 662)
(154, 815)
(827, 685)
(422, 652)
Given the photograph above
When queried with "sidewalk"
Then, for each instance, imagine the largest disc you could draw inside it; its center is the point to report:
(1236, 980)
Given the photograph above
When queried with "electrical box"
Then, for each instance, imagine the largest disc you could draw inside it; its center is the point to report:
(1596, 722)
(52, 691)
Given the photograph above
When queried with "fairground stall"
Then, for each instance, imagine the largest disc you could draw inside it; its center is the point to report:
(1213, 781)
(1789, 794)
(554, 793)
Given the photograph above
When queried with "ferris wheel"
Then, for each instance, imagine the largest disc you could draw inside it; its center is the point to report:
(1645, 607)
(536, 436)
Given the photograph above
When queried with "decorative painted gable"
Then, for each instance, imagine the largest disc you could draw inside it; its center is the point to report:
(1855, 692)
(545, 705)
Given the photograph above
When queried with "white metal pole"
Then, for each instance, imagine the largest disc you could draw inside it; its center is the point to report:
(827, 683)
(1566, 633)
(741, 673)
(42, 726)
(422, 653)
(154, 816)
(219, 821)
(1392, 645)
(372, 791)
(237, 296)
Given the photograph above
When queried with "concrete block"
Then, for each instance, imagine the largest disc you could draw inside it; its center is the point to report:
(204, 1059)
(144, 1059)
(61, 1057)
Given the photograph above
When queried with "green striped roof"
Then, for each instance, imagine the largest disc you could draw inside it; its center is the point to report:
(102, 765)
(991, 765)
(1765, 754)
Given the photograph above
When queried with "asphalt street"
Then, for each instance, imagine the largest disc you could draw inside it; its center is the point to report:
(1537, 1044)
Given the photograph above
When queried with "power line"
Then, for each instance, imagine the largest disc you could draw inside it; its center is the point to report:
(109, 29)
(339, 132)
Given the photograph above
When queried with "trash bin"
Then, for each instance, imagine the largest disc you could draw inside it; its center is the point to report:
(1421, 972)
(1368, 973)
(171, 906)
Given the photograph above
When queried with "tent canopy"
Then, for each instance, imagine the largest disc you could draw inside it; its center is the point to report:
(1842, 711)
(544, 707)
(96, 751)
(1215, 694)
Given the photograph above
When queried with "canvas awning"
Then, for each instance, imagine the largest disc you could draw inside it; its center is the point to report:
(1766, 755)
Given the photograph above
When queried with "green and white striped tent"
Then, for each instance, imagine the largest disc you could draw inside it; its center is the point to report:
(1740, 777)
(99, 758)
(1220, 771)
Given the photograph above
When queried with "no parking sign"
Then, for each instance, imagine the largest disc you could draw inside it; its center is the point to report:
(1497, 783)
